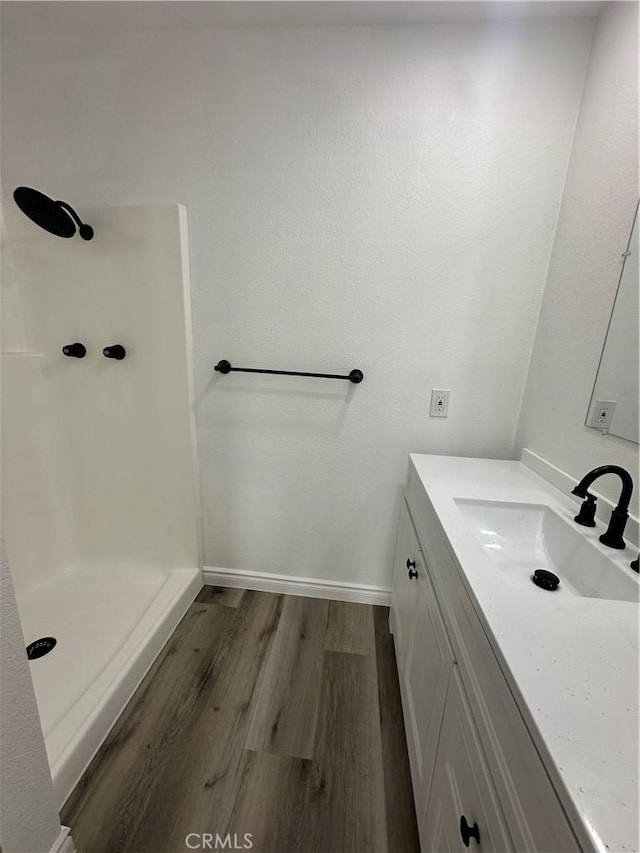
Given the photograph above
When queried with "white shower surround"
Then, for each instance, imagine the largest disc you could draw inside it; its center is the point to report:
(100, 497)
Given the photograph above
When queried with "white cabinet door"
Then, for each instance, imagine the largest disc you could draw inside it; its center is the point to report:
(425, 681)
(404, 590)
(462, 787)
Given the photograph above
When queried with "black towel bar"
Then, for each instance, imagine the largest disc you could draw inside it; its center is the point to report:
(224, 366)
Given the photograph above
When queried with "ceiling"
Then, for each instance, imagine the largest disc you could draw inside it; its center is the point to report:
(52, 17)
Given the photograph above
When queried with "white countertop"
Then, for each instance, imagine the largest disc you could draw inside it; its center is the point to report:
(572, 662)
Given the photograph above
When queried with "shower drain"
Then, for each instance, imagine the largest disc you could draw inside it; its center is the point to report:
(40, 647)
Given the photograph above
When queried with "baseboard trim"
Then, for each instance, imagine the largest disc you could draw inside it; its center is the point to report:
(295, 585)
(565, 482)
(64, 842)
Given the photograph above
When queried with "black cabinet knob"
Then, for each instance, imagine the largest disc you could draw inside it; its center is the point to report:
(634, 564)
(468, 832)
(116, 351)
(76, 350)
(411, 564)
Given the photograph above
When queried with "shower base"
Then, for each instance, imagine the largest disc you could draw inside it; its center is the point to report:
(110, 622)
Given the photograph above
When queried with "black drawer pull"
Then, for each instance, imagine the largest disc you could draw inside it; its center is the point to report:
(411, 564)
(468, 832)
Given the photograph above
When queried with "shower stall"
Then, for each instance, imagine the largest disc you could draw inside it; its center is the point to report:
(100, 500)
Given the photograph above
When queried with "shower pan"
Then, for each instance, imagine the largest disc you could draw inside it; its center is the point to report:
(99, 487)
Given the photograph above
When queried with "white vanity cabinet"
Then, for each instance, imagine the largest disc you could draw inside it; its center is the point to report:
(423, 652)
(470, 752)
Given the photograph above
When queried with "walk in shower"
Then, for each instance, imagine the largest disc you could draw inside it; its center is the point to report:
(99, 484)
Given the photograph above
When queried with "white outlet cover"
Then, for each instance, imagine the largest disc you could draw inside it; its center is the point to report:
(439, 403)
(602, 414)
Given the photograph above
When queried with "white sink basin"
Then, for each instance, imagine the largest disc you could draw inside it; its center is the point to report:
(520, 538)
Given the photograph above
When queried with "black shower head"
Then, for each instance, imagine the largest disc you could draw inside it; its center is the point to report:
(56, 217)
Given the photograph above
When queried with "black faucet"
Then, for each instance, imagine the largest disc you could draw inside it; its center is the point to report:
(613, 535)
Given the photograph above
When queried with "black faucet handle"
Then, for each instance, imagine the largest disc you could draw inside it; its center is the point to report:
(116, 351)
(76, 350)
(587, 515)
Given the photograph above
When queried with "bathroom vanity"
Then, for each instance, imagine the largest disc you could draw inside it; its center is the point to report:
(520, 703)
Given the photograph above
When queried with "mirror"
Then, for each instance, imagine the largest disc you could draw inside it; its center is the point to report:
(614, 402)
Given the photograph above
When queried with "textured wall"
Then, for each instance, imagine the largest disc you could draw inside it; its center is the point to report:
(382, 198)
(28, 817)
(600, 197)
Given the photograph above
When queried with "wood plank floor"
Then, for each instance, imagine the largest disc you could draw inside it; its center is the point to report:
(266, 714)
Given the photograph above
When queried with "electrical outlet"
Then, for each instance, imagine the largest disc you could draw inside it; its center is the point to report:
(602, 414)
(439, 404)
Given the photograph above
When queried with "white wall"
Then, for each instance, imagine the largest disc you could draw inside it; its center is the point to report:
(382, 198)
(28, 816)
(600, 197)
